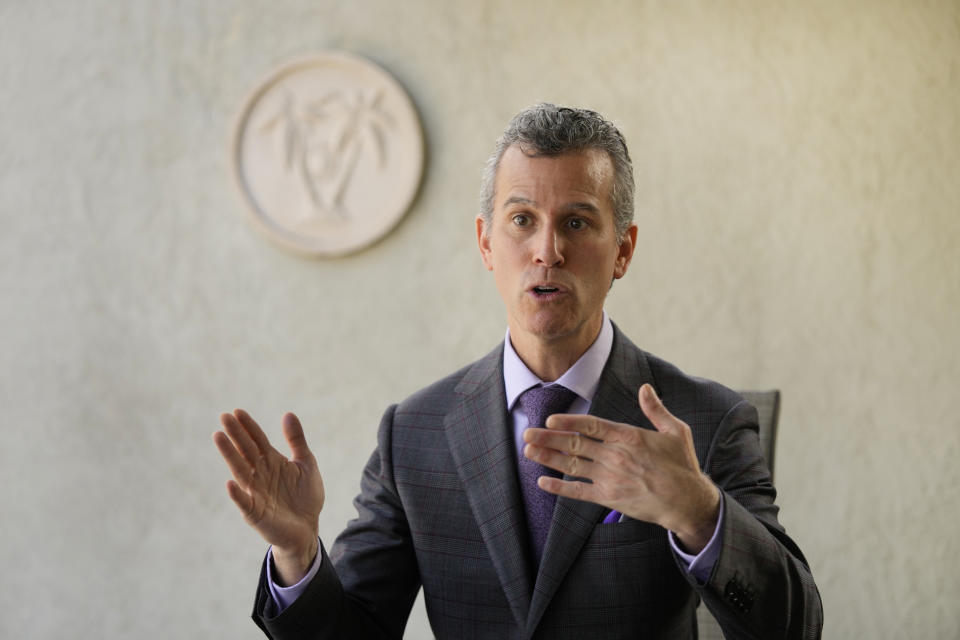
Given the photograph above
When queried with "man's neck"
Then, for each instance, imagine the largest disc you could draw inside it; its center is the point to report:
(549, 358)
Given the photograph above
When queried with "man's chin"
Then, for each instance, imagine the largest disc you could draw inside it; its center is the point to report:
(551, 328)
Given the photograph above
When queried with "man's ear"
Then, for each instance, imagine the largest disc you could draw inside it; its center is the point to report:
(627, 244)
(483, 241)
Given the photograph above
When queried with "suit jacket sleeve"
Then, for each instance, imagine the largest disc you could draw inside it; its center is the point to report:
(761, 586)
(370, 597)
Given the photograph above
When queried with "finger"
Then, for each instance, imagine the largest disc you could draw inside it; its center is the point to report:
(658, 414)
(571, 443)
(570, 489)
(588, 425)
(571, 465)
(239, 467)
(256, 433)
(241, 498)
(598, 429)
(293, 432)
(241, 439)
(616, 455)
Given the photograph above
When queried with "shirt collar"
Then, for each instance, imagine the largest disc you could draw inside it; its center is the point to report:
(582, 378)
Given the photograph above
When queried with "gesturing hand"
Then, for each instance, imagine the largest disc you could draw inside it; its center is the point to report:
(647, 475)
(280, 498)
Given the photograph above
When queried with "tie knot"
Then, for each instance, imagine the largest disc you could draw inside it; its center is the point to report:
(541, 402)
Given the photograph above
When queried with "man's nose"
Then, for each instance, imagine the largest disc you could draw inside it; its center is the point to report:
(549, 249)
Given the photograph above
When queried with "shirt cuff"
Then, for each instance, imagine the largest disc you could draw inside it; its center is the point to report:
(283, 597)
(701, 565)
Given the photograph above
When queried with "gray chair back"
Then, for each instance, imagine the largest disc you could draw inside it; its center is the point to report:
(768, 408)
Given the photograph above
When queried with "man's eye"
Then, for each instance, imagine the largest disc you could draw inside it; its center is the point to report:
(521, 220)
(576, 223)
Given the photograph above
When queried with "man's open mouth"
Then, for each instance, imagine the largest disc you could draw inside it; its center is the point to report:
(546, 290)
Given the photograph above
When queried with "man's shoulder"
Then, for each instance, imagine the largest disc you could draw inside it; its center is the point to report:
(440, 395)
(673, 380)
(679, 390)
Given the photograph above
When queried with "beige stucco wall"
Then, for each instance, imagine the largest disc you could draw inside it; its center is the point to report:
(799, 211)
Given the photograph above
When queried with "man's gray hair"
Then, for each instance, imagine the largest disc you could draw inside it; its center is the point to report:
(548, 130)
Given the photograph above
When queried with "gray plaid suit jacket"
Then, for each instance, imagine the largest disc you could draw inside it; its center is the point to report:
(440, 508)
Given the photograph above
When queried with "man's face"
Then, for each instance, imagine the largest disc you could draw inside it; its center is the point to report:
(552, 245)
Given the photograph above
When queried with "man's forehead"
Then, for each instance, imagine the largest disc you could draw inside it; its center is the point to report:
(586, 173)
(598, 158)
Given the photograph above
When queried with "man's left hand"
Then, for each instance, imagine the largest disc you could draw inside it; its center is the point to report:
(646, 475)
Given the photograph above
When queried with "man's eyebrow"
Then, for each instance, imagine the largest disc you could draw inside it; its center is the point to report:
(570, 206)
(582, 206)
(518, 200)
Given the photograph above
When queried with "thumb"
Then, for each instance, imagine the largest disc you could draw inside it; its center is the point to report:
(293, 432)
(653, 408)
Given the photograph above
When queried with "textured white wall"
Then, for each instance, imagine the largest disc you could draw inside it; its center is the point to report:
(799, 208)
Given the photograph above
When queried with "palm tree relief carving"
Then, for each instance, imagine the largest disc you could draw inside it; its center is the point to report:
(323, 140)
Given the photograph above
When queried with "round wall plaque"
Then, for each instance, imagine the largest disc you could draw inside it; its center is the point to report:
(328, 153)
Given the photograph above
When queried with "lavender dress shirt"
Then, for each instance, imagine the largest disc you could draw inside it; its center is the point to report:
(582, 378)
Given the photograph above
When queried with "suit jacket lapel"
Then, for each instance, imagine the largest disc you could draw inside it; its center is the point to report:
(573, 522)
(481, 443)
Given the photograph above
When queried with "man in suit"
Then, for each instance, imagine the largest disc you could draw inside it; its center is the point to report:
(645, 491)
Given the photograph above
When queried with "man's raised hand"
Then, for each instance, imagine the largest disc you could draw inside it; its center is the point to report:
(647, 475)
(280, 498)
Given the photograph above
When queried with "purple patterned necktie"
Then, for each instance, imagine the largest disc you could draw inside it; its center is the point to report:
(538, 403)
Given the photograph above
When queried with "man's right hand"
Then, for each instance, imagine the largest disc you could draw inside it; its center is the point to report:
(281, 498)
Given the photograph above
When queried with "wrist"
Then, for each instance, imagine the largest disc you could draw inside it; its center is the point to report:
(292, 563)
(694, 534)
